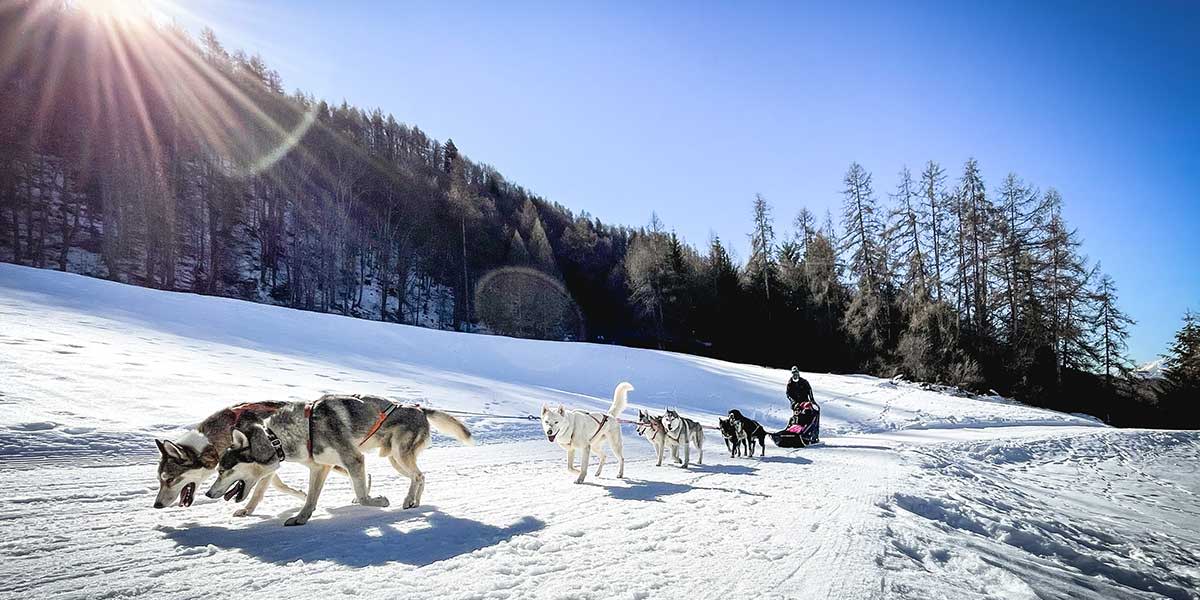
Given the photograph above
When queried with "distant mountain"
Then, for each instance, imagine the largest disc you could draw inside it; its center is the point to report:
(1151, 370)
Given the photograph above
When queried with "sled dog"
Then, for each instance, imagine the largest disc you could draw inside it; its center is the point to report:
(735, 438)
(682, 432)
(333, 431)
(651, 428)
(749, 430)
(587, 431)
(192, 458)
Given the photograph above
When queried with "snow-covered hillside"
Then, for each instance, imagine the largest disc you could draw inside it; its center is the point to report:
(914, 493)
(1152, 369)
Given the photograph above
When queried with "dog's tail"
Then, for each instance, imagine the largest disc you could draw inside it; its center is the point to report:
(620, 399)
(448, 425)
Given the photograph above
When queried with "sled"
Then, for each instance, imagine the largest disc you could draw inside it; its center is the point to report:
(797, 436)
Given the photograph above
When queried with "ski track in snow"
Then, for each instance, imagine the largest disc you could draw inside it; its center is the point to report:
(915, 494)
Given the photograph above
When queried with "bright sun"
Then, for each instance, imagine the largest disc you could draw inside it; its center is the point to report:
(119, 10)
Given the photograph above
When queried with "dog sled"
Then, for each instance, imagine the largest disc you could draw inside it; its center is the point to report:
(804, 428)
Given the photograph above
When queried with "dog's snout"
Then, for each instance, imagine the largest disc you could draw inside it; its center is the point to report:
(210, 494)
(158, 504)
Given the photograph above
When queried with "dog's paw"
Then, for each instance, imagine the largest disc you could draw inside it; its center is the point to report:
(410, 504)
(242, 512)
(572, 470)
(294, 521)
(378, 501)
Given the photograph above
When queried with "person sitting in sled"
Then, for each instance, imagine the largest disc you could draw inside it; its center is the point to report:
(806, 413)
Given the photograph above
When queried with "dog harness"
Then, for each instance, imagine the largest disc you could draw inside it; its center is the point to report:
(654, 427)
(676, 438)
(256, 407)
(599, 426)
(308, 415)
(275, 444)
(383, 415)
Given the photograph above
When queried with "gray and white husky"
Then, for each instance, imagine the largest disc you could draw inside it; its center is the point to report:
(682, 432)
(188, 461)
(587, 431)
(332, 432)
(651, 427)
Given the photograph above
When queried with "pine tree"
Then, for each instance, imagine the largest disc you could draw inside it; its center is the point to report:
(1020, 217)
(761, 268)
(934, 198)
(1114, 326)
(648, 269)
(973, 213)
(518, 255)
(906, 217)
(805, 228)
(450, 156)
(541, 255)
(866, 314)
(1180, 396)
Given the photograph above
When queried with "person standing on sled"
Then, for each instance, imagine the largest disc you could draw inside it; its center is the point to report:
(806, 413)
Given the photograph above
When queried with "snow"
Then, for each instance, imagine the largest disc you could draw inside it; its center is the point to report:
(1152, 370)
(915, 493)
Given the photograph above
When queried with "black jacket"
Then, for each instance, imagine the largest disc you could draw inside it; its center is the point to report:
(799, 391)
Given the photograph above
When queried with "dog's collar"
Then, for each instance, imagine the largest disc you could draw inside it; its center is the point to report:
(275, 444)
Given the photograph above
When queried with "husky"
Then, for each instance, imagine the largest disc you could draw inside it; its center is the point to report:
(750, 430)
(193, 458)
(682, 432)
(652, 425)
(587, 431)
(333, 431)
(735, 437)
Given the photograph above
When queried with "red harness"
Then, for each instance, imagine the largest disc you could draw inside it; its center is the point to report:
(599, 426)
(308, 415)
(383, 415)
(253, 407)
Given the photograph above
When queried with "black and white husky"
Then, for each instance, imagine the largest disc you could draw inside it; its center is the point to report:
(587, 431)
(191, 459)
(749, 430)
(682, 432)
(332, 432)
(735, 437)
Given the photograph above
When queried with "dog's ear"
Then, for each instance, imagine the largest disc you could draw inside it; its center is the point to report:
(172, 450)
(545, 409)
(239, 440)
(561, 410)
(161, 449)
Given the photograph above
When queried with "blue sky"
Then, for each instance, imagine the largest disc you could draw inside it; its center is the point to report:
(690, 109)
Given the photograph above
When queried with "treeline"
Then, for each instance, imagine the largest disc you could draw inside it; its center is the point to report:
(169, 162)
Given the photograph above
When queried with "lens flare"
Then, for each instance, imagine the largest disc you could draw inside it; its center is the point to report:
(120, 10)
(149, 85)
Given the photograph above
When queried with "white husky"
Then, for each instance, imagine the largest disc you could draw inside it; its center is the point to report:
(587, 431)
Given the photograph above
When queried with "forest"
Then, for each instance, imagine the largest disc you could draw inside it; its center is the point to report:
(172, 162)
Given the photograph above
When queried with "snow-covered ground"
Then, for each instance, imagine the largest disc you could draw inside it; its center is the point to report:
(914, 493)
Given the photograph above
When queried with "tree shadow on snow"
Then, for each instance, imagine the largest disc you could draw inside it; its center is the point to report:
(359, 536)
